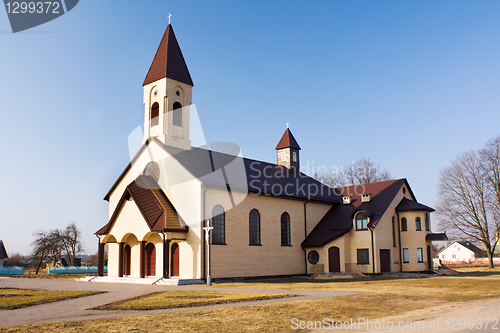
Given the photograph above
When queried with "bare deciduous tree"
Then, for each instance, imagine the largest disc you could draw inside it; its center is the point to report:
(468, 204)
(56, 243)
(71, 240)
(362, 171)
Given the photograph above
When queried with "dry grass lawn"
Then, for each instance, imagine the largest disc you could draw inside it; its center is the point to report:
(380, 297)
(181, 299)
(11, 298)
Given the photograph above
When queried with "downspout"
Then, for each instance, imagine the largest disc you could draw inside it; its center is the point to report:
(204, 240)
(373, 251)
(399, 241)
(305, 234)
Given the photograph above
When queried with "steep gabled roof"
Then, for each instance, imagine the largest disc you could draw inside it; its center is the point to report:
(157, 210)
(287, 141)
(3, 253)
(407, 205)
(339, 219)
(260, 177)
(168, 61)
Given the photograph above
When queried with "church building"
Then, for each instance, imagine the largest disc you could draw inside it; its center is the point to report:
(267, 219)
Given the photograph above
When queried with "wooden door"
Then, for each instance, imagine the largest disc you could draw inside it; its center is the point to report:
(175, 260)
(334, 259)
(150, 259)
(430, 264)
(126, 259)
(385, 260)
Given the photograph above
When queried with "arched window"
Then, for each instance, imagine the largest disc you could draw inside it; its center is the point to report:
(361, 221)
(294, 157)
(155, 114)
(285, 229)
(283, 156)
(254, 227)
(404, 224)
(418, 224)
(219, 224)
(177, 114)
(427, 223)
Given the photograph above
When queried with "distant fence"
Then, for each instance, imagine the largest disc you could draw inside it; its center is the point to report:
(11, 270)
(469, 261)
(75, 270)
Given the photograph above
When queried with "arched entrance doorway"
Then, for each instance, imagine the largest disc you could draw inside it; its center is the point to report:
(175, 260)
(334, 259)
(126, 259)
(150, 259)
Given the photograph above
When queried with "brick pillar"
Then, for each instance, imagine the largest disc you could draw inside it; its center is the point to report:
(142, 261)
(120, 259)
(100, 266)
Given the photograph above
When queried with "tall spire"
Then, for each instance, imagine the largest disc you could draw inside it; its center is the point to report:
(287, 141)
(168, 61)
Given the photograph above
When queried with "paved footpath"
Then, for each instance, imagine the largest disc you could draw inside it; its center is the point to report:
(459, 317)
(76, 309)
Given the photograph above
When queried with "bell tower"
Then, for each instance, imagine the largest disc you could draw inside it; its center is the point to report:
(168, 95)
(288, 151)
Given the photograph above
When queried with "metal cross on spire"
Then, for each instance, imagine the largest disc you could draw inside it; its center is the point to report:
(169, 16)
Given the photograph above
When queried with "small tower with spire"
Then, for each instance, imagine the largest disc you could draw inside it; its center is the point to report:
(168, 94)
(288, 151)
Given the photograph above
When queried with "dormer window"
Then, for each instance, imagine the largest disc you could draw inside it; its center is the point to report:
(366, 197)
(361, 221)
(346, 200)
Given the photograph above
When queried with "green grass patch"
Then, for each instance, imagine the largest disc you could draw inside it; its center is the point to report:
(182, 299)
(13, 298)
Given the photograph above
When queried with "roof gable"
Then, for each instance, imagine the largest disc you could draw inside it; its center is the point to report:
(168, 61)
(3, 252)
(339, 220)
(157, 210)
(287, 141)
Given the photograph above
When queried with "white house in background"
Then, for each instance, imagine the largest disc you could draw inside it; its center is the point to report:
(459, 251)
(3, 254)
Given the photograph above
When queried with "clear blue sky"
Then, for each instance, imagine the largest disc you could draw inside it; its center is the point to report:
(409, 84)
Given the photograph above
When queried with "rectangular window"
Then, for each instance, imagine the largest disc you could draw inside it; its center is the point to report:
(363, 257)
(406, 256)
(420, 255)
(454, 256)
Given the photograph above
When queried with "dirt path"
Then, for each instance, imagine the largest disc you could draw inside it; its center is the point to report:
(76, 309)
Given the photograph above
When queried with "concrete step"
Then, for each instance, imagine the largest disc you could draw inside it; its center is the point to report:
(146, 280)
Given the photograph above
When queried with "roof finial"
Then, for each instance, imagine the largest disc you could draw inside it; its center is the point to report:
(287, 124)
(169, 16)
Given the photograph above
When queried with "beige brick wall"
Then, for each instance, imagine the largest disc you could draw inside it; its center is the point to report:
(238, 258)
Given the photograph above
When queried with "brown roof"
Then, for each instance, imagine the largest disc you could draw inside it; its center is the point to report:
(287, 141)
(339, 219)
(154, 206)
(168, 61)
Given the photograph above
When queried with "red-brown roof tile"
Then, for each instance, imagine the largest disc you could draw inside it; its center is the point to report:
(287, 141)
(168, 61)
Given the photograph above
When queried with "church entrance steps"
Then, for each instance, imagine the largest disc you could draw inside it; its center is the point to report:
(146, 280)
